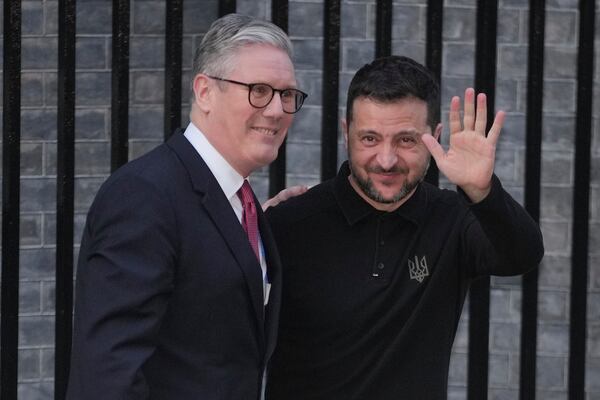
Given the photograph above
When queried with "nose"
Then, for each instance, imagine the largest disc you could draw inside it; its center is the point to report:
(387, 157)
(275, 108)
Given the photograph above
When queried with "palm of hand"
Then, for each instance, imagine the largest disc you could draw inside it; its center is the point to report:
(469, 161)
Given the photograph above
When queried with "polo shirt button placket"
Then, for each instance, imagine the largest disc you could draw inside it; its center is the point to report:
(379, 266)
(378, 270)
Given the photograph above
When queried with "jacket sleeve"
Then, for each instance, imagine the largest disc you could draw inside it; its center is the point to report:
(124, 280)
(500, 237)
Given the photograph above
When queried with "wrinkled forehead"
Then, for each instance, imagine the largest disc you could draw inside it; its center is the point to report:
(401, 114)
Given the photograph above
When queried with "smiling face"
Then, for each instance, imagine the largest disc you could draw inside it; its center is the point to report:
(387, 157)
(247, 137)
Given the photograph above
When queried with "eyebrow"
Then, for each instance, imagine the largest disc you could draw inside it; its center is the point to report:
(412, 132)
(294, 86)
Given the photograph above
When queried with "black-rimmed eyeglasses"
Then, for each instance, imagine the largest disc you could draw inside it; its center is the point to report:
(261, 94)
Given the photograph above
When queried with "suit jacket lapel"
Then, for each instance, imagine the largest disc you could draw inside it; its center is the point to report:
(219, 210)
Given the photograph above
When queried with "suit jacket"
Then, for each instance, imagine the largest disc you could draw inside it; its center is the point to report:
(169, 297)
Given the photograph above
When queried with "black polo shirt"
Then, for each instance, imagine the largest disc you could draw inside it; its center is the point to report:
(371, 299)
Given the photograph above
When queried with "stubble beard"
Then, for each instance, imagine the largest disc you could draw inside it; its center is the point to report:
(368, 188)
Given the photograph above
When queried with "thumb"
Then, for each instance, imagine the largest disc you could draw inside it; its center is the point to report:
(436, 150)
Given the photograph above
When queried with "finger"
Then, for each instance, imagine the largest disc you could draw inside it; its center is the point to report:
(469, 118)
(454, 116)
(284, 195)
(481, 120)
(272, 202)
(494, 132)
(436, 150)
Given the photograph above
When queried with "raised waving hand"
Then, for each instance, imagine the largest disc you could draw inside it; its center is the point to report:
(469, 161)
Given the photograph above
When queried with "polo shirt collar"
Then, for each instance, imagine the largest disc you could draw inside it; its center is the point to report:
(356, 208)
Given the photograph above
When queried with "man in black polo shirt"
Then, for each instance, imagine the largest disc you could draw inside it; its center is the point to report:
(377, 262)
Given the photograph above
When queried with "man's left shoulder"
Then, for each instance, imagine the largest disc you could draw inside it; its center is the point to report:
(312, 202)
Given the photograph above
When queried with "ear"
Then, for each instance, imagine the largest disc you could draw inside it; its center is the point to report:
(345, 132)
(438, 132)
(202, 92)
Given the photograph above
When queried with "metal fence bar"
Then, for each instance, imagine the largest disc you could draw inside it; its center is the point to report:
(173, 63)
(277, 181)
(581, 200)
(11, 159)
(383, 28)
(120, 84)
(65, 192)
(331, 83)
(479, 304)
(433, 61)
(533, 161)
(227, 7)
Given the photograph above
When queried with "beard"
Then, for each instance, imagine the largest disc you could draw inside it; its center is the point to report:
(368, 188)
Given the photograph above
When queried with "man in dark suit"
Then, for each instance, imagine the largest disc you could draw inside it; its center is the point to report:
(179, 281)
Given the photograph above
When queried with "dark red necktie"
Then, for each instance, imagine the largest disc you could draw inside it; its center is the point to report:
(249, 219)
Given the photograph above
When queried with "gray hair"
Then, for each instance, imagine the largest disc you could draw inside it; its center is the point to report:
(227, 34)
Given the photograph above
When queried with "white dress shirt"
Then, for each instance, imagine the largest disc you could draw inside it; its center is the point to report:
(230, 182)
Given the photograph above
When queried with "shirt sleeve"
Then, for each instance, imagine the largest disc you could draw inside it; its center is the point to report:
(500, 237)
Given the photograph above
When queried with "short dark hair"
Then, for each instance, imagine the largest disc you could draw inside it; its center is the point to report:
(393, 78)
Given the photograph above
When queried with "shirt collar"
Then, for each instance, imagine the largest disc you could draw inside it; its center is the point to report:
(227, 177)
(356, 208)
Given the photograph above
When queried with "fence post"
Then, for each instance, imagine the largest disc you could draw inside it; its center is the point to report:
(11, 166)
